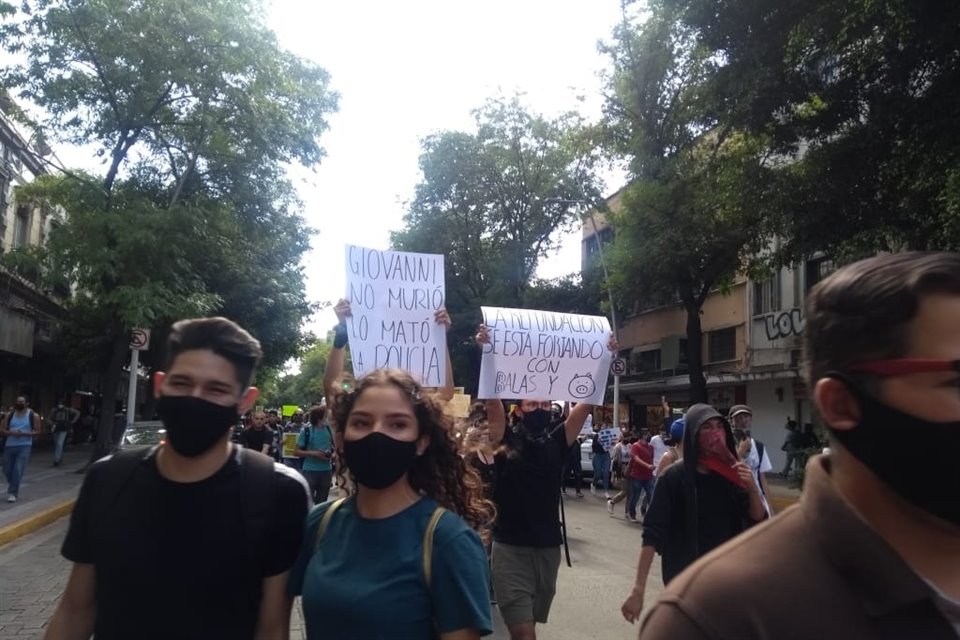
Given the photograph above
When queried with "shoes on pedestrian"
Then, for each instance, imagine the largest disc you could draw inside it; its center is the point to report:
(610, 507)
(563, 490)
(11, 498)
(579, 494)
(56, 463)
(631, 518)
(606, 494)
(593, 490)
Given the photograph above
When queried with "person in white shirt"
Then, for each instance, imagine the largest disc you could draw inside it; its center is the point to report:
(658, 442)
(752, 452)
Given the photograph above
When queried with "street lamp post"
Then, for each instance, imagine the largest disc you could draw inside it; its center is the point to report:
(606, 279)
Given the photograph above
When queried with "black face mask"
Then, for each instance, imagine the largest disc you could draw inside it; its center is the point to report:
(377, 460)
(536, 421)
(194, 425)
(20, 406)
(934, 485)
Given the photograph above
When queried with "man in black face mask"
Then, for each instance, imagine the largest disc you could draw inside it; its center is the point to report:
(526, 536)
(198, 524)
(873, 548)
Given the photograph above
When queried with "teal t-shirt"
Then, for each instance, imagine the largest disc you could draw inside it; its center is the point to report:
(316, 439)
(366, 580)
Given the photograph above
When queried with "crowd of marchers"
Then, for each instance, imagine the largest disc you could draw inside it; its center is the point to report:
(434, 526)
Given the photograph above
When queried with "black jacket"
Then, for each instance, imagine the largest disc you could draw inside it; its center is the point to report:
(672, 524)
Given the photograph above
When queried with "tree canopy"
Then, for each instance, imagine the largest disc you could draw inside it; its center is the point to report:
(492, 201)
(195, 111)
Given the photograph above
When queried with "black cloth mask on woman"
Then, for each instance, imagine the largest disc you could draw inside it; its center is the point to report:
(877, 441)
(377, 460)
(194, 425)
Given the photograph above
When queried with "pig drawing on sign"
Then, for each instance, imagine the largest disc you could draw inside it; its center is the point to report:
(582, 386)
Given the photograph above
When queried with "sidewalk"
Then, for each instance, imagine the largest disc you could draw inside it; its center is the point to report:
(47, 493)
(782, 494)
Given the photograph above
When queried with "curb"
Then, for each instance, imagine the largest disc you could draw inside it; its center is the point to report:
(36, 521)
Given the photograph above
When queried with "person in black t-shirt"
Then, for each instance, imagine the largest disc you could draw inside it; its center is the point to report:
(193, 538)
(526, 536)
(700, 502)
(257, 436)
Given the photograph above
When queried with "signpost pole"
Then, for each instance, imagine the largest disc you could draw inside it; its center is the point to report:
(132, 389)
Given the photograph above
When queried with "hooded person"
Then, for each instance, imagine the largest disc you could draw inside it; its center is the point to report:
(701, 502)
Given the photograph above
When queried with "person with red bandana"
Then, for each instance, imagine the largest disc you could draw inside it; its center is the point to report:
(700, 503)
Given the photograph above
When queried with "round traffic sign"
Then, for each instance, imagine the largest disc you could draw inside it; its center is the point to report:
(618, 366)
(139, 339)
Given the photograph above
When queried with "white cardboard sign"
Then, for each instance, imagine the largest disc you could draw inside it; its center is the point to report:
(393, 298)
(543, 355)
(608, 438)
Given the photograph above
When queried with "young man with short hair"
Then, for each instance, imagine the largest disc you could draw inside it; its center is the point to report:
(873, 548)
(752, 452)
(61, 419)
(258, 436)
(193, 538)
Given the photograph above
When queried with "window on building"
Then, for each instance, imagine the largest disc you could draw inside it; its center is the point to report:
(21, 229)
(766, 295)
(816, 270)
(722, 345)
(647, 361)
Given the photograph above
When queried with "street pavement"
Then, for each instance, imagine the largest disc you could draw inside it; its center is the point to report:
(603, 551)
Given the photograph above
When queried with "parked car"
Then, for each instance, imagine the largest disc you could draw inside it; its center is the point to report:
(144, 432)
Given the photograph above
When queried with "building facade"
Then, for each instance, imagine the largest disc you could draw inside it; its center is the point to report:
(751, 348)
(30, 363)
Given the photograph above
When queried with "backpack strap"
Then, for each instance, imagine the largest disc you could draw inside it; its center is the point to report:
(325, 522)
(428, 545)
(760, 465)
(118, 469)
(257, 481)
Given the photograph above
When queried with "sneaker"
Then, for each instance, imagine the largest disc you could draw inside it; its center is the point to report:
(631, 518)
(593, 490)
(579, 494)
(606, 494)
(11, 498)
(563, 491)
(610, 507)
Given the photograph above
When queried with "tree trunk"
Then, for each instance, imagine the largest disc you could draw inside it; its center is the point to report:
(119, 349)
(698, 383)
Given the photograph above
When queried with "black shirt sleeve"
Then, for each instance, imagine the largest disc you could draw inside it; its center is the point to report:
(77, 546)
(286, 531)
(667, 498)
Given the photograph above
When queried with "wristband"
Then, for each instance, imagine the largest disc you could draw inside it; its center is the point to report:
(340, 336)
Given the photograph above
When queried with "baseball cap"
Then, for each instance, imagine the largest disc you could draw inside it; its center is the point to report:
(738, 409)
(676, 430)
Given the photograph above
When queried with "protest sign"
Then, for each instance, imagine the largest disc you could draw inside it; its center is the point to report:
(543, 355)
(289, 444)
(608, 438)
(393, 298)
(587, 427)
(459, 406)
(288, 410)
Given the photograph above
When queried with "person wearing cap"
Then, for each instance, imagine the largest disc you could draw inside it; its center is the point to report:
(700, 502)
(751, 451)
(675, 447)
(872, 550)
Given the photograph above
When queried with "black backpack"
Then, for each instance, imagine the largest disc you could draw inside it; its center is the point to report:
(257, 478)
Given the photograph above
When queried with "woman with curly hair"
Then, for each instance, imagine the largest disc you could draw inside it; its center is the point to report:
(402, 557)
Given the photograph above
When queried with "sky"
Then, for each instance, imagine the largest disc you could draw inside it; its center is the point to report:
(407, 69)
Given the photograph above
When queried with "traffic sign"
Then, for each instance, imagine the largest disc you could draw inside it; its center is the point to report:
(618, 366)
(140, 339)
